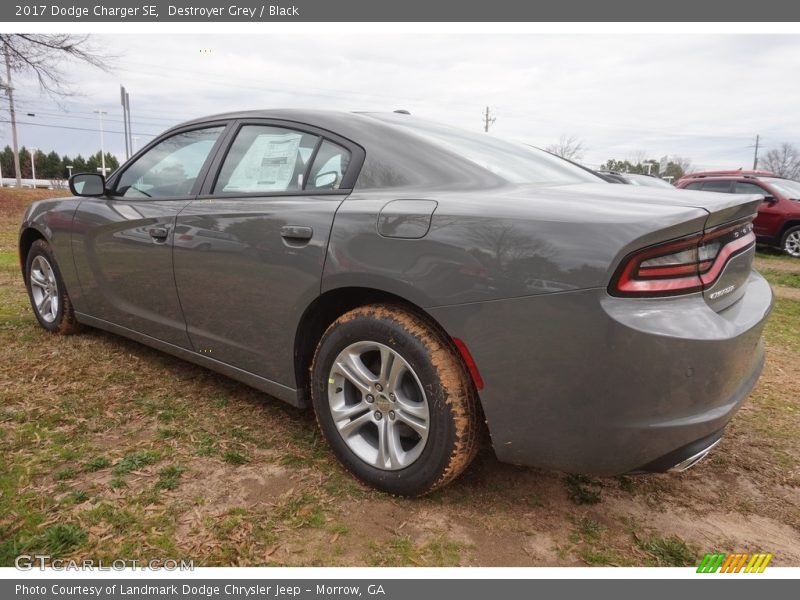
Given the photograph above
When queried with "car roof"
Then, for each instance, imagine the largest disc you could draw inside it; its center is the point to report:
(740, 177)
(729, 173)
(337, 121)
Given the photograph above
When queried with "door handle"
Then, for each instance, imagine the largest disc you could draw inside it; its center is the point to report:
(296, 232)
(159, 233)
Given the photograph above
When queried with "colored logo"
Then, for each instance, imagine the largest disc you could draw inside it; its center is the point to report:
(719, 562)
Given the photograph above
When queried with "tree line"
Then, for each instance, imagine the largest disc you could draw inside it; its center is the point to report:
(52, 166)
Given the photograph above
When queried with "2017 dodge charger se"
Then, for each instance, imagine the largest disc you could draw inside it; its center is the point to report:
(415, 284)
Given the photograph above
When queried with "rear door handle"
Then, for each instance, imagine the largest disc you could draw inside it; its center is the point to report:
(296, 232)
(159, 233)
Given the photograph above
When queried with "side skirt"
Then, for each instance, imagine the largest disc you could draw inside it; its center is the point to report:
(268, 386)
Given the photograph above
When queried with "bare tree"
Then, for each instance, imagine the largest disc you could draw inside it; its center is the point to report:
(43, 56)
(568, 147)
(682, 163)
(783, 161)
(637, 157)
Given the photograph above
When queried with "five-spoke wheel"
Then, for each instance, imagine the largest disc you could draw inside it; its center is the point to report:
(49, 300)
(791, 242)
(394, 399)
(378, 405)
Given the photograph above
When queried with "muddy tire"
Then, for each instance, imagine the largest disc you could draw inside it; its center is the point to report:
(394, 400)
(47, 292)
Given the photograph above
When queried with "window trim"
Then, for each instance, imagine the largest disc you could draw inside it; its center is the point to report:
(728, 181)
(357, 156)
(760, 186)
(201, 174)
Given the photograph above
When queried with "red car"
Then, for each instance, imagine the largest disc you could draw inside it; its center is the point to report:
(778, 220)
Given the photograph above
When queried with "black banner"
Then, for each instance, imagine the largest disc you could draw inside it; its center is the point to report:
(407, 11)
(390, 589)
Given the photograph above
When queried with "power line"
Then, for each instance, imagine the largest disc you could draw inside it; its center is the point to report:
(73, 128)
(53, 115)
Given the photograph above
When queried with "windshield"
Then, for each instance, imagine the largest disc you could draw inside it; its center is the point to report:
(787, 187)
(517, 163)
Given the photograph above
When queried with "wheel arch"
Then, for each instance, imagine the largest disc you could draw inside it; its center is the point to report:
(332, 304)
(26, 238)
(786, 226)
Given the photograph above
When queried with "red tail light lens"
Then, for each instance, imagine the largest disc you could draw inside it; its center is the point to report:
(682, 266)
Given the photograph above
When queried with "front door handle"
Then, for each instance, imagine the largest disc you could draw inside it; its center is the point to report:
(159, 233)
(296, 232)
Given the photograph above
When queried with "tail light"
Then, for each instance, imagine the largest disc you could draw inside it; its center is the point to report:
(682, 266)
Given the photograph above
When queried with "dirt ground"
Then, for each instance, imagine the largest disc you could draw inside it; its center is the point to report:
(111, 450)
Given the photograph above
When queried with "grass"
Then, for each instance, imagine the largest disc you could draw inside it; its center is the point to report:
(582, 489)
(782, 278)
(111, 450)
(97, 463)
(168, 477)
(784, 325)
(668, 551)
(136, 461)
(402, 551)
(234, 457)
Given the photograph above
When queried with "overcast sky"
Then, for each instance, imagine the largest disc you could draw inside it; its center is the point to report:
(701, 96)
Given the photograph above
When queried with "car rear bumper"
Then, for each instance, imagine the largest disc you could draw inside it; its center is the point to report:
(584, 382)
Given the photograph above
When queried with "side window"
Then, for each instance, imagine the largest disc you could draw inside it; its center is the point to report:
(717, 186)
(265, 159)
(329, 167)
(749, 188)
(169, 168)
(695, 185)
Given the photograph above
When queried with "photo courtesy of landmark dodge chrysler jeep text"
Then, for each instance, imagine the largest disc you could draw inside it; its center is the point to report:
(417, 285)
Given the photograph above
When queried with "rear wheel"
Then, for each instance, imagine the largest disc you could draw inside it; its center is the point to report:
(394, 400)
(790, 242)
(46, 291)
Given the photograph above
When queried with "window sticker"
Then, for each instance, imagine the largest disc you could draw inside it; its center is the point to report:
(268, 165)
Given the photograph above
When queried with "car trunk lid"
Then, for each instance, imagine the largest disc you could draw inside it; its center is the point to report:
(727, 232)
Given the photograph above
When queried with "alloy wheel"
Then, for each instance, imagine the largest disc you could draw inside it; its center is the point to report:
(44, 289)
(792, 244)
(378, 405)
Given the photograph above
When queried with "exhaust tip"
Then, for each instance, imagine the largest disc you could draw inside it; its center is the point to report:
(691, 461)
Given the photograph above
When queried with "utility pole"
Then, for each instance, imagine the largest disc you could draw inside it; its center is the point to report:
(755, 156)
(13, 114)
(102, 142)
(33, 166)
(122, 95)
(128, 119)
(488, 120)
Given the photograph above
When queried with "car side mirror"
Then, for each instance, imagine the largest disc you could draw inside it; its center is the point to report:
(87, 184)
(327, 179)
(770, 199)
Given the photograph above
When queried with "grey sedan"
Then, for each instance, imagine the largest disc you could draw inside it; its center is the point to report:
(417, 286)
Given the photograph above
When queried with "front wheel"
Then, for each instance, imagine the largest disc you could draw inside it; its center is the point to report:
(394, 400)
(790, 242)
(48, 295)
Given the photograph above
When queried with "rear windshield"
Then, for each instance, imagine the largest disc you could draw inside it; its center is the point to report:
(787, 187)
(517, 163)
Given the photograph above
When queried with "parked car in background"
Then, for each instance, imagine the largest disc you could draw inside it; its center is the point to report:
(778, 220)
(414, 284)
(638, 179)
